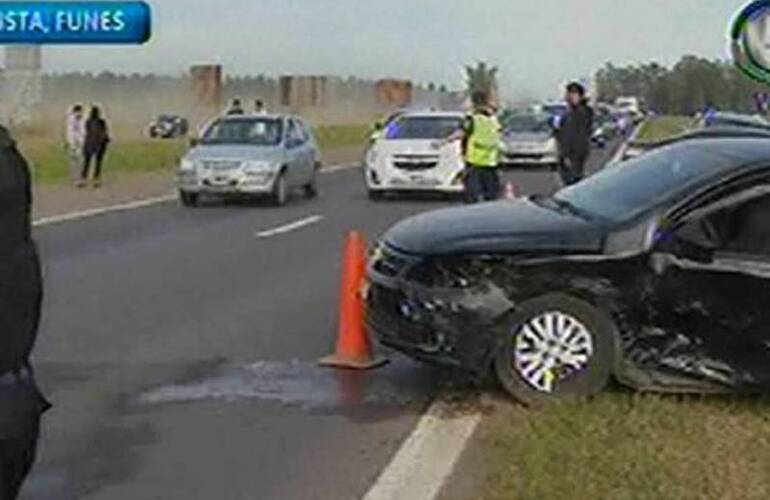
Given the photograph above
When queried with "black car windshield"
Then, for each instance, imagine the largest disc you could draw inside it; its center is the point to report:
(423, 127)
(246, 131)
(625, 191)
(526, 123)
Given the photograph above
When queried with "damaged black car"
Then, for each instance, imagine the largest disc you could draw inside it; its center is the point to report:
(655, 272)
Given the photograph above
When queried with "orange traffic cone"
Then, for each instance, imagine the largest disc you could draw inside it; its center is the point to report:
(354, 347)
(510, 191)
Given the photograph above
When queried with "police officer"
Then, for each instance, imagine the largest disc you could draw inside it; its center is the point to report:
(480, 136)
(21, 403)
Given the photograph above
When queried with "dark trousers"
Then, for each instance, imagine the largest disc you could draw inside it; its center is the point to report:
(481, 184)
(16, 458)
(91, 156)
(572, 168)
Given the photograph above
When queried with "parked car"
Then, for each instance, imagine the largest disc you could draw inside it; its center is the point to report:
(635, 107)
(528, 139)
(258, 155)
(605, 126)
(656, 273)
(168, 127)
(406, 160)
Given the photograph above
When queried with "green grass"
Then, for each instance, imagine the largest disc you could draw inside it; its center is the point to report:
(662, 127)
(50, 164)
(630, 446)
(341, 136)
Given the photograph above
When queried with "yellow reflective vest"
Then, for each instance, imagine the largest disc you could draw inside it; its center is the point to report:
(484, 141)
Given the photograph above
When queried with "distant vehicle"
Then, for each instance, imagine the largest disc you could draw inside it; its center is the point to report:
(605, 125)
(634, 106)
(405, 159)
(726, 120)
(528, 139)
(555, 112)
(257, 155)
(168, 127)
(654, 274)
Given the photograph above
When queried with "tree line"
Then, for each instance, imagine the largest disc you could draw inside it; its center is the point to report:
(687, 87)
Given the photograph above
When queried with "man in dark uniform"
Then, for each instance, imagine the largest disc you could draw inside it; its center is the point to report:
(21, 403)
(574, 135)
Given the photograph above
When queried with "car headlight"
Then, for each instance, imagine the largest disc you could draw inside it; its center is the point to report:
(187, 165)
(257, 167)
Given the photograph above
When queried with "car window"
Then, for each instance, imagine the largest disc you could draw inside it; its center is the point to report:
(622, 193)
(244, 131)
(738, 224)
(423, 127)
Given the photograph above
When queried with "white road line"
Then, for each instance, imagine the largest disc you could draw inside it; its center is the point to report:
(81, 214)
(290, 226)
(427, 457)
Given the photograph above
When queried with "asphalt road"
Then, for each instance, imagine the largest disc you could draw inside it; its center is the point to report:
(179, 349)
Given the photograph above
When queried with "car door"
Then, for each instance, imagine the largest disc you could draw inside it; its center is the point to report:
(709, 300)
(310, 150)
(293, 145)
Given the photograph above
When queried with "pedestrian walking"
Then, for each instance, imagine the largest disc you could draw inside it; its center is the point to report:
(75, 135)
(574, 135)
(21, 403)
(94, 148)
(480, 137)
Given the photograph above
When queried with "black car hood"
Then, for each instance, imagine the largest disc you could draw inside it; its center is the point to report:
(503, 226)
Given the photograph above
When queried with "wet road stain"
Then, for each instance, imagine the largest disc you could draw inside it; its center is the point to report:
(302, 384)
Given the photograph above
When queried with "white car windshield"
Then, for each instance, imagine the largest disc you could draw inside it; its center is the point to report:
(423, 127)
(247, 131)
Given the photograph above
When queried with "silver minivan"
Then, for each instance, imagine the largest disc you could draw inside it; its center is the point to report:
(250, 155)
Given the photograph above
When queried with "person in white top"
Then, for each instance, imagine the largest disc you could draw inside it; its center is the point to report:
(75, 136)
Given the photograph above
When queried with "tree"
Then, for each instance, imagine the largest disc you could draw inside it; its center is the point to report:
(482, 78)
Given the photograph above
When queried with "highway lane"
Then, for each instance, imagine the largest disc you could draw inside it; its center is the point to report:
(178, 346)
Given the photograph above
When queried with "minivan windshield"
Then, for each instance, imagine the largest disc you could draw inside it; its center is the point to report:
(625, 191)
(526, 123)
(423, 127)
(245, 131)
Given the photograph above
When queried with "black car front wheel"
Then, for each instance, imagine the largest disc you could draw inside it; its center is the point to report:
(556, 347)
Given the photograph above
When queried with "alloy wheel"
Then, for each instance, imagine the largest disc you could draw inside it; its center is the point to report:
(549, 348)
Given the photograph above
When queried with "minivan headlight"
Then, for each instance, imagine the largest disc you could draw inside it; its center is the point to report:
(257, 167)
(187, 165)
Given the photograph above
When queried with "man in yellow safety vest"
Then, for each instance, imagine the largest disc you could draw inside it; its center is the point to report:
(480, 136)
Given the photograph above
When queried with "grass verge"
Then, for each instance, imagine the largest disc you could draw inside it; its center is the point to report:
(662, 127)
(631, 446)
(50, 164)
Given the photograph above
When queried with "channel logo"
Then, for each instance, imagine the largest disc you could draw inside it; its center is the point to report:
(40, 23)
(750, 40)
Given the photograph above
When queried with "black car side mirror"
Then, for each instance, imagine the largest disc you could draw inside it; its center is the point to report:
(194, 141)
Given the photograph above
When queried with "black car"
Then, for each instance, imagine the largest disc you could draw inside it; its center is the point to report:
(168, 127)
(656, 272)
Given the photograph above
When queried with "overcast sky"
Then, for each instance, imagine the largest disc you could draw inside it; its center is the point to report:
(537, 43)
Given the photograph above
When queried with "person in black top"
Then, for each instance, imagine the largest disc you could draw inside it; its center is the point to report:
(94, 148)
(21, 404)
(574, 135)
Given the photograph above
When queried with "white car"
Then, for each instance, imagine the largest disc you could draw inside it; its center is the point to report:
(528, 140)
(407, 158)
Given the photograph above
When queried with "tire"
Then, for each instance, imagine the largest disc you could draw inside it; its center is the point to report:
(280, 191)
(587, 341)
(311, 188)
(188, 199)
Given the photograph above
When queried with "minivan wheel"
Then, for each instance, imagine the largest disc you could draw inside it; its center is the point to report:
(188, 199)
(311, 188)
(280, 192)
(556, 347)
